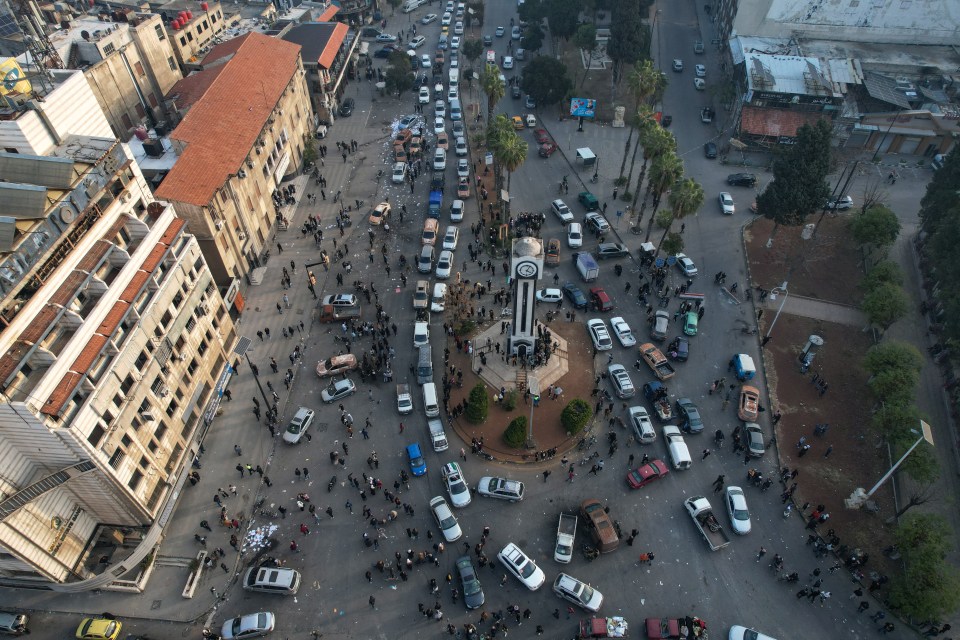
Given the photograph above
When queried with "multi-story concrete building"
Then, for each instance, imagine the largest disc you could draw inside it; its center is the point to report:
(129, 62)
(233, 153)
(327, 54)
(115, 346)
(196, 27)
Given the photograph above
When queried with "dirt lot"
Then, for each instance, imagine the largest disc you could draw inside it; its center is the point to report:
(827, 270)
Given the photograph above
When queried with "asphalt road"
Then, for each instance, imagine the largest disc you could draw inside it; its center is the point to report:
(725, 587)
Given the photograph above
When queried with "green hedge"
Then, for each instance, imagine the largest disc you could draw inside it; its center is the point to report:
(575, 416)
(478, 404)
(515, 435)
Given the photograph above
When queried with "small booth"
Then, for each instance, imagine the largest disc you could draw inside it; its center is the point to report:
(586, 157)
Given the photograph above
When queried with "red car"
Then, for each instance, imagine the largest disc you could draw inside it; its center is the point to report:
(599, 299)
(542, 136)
(463, 188)
(658, 628)
(646, 474)
(547, 149)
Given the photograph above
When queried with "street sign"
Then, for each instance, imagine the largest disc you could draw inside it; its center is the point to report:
(488, 158)
(619, 213)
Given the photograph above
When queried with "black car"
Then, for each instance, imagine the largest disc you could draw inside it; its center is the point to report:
(679, 349)
(515, 92)
(575, 295)
(742, 179)
(346, 108)
(710, 150)
(384, 52)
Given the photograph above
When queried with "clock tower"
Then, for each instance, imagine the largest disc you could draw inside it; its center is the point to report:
(526, 267)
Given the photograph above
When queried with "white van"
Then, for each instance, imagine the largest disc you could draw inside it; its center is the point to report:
(410, 5)
(679, 454)
(439, 297)
(430, 405)
(425, 365)
(454, 77)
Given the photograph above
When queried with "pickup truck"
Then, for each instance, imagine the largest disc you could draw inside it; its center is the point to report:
(671, 628)
(656, 361)
(566, 533)
(656, 393)
(615, 627)
(600, 524)
(332, 313)
(437, 437)
(404, 399)
(702, 514)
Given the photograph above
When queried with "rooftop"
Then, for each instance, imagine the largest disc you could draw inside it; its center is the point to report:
(787, 74)
(221, 129)
(320, 41)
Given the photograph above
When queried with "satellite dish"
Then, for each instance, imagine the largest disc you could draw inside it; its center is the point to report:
(68, 215)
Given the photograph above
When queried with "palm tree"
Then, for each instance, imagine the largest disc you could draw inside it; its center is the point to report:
(499, 130)
(685, 199)
(510, 154)
(646, 127)
(656, 141)
(665, 171)
(643, 81)
(493, 86)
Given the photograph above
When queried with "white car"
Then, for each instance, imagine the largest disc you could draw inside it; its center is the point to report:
(701, 71)
(399, 172)
(574, 235)
(686, 265)
(596, 221)
(508, 62)
(444, 264)
(562, 211)
(429, 18)
(252, 625)
(737, 510)
(425, 61)
(598, 333)
(440, 109)
(455, 42)
(577, 592)
(446, 19)
(642, 425)
(453, 94)
(454, 60)
(421, 334)
(417, 42)
(738, 632)
(726, 203)
(622, 384)
(445, 519)
(677, 65)
(623, 332)
(439, 159)
(458, 28)
(337, 390)
(424, 97)
(439, 126)
(456, 484)
(515, 33)
(522, 567)
(386, 37)
(450, 238)
(500, 488)
(699, 84)
(456, 211)
(463, 168)
(549, 295)
(461, 146)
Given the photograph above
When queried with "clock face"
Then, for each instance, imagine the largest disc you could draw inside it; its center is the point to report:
(527, 270)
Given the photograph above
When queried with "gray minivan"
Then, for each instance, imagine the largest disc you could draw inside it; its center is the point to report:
(425, 365)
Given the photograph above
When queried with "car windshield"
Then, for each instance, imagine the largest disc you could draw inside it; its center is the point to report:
(741, 514)
(458, 486)
(417, 462)
(586, 595)
(448, 523)
(526, 570)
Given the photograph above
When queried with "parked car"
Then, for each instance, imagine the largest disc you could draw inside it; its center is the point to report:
(647, 473)
(521, 566)
(710, 150)
(456, 485)
(596, 222)
(737, 509)
(399, 173)
(450, 238)
(576, 296)
(336, 365)
(690, 323)
(473, 597)
(742, 179)
(753, 436)
(679, 349)
(346, 109)
(689, 415)
(562, 211)
(418, 466)
(620, 379)
(738, 632)
(500, 488)
(547, 149)
(611, 250)
(841, 204)
(642, 425)
(623, 332)
(338, 390)
(549, 295)
(677, 65)
(252, 625)
(339, 300)
(749, 407)
(574, 235)
(686, 265)
(444, 264)
(447, 522)
(599, 299)
(417, 41)
(577, 592)
(726, 203)
(700, 71)
(99, 629)
(598, 334)
(429, 18)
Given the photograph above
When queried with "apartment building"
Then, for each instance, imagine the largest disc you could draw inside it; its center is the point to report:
(114, 348)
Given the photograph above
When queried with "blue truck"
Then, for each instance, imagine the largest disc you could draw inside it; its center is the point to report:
(436, 201)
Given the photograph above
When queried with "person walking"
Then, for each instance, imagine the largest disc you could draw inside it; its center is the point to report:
(372, 600)
(546, 474)
(761, 553)
(706, 452)
(864, 605)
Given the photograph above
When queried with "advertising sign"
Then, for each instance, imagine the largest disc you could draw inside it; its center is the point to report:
(583, 107)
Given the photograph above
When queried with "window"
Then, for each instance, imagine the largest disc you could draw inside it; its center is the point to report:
(118, 400)
(11, 150)
(140, 112)
(108, 49)
(144, 462)
(135, 480)
(152, 99)
(165, 321)
(161, 34)
(126, 440)
(172, 408)
(126, 385)
(139, 68)
(117, 457)
(127, 122)
(160, 432)
(202, 349)
(178, 300)
(96, 436)
(173, 63)
(142, 360)
(192, 367)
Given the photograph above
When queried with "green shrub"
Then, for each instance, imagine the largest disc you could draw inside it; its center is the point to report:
(515, 434)
(575, 416)
(509, 402)
(478, 404)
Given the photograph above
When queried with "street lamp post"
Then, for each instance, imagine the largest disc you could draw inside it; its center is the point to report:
(534, 386)
(773, 296)
(859, 497)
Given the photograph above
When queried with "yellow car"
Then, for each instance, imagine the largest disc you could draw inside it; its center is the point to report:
(518, 123)
(99, 629)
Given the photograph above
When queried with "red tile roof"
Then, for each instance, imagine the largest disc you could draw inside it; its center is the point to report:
(333, 46)
(187, 91)
(331, 11)
(91, 351)
(222, 127)
(775, 122)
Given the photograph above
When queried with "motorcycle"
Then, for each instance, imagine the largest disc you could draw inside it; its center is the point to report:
(331, 484)
(590, 553)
